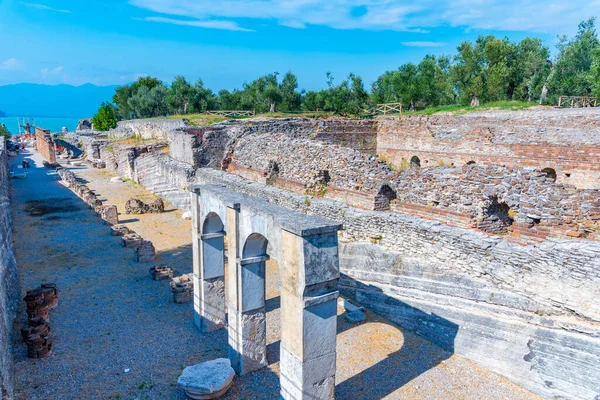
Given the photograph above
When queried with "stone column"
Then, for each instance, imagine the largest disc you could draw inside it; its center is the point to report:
(310, 273)
(196, 262)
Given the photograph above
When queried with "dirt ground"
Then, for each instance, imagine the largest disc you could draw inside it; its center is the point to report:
(118, 335)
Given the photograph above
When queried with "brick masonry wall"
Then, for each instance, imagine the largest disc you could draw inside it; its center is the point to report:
(45, 144)
(9, 283)
(567, 141)
(527, 312)
(310, 157)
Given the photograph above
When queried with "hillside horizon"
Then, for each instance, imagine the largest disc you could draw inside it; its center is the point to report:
(53, 101)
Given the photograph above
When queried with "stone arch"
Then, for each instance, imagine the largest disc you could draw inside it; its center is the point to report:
(306, 248)
(253, 312)
(384, 197)
(550, 174)
(210, 311)
(471, 162)
(415, 162)
(495, 217)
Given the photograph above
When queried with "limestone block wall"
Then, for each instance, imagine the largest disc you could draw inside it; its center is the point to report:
(152, 128)
(45, 144)
(9, 283)
(564, 140)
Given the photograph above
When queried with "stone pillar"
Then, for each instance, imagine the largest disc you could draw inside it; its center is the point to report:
(246, 307)
(212, 279)
(196, 256)
(310, 273)
(208, 272)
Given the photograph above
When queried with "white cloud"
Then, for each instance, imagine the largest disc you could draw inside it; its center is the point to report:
(210, 24)
(424, 44)
(44, 7)
(552, 16)
(9, 65)
(54, 71)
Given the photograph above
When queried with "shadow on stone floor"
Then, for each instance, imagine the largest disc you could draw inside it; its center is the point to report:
(421, 350)
(415, 357)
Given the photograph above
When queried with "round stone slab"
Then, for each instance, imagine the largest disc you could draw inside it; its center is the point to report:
(207, 380)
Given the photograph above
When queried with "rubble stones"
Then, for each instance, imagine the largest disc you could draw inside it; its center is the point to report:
(132, 241)
(110, 214)
(119, 230)
(136, 206)
(160, 273)
(207, 380)
(37, 336)
(182, 289)
(145, 252)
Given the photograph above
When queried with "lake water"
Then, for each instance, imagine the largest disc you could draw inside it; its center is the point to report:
(54, 124)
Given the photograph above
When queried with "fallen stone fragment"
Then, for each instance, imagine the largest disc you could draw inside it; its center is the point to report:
(158, 206)
(349, 307)
(207, 380)
(119, 230)
(182, 289)
(110, 214)
(160, 273)
(186, 215)
(145, 252)
(132, 240)
(355, 316)
(116, 179)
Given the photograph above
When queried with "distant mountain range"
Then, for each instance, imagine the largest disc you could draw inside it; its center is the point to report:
(66, 101)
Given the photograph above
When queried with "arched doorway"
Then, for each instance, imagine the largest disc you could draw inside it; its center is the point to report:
(210, 311)
(415, 162)
(384, 197)
(307, 250)
(252, 295)
(550, 174)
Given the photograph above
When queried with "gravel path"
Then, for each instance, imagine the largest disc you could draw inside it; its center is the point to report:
(112, 317)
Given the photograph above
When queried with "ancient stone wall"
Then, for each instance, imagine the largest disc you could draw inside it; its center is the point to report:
(45, 144)
(470, 293)
(564, 140)
(151, 128)
(9, 283)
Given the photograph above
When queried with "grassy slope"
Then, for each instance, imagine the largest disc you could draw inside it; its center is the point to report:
(460, 109)
(206, 119)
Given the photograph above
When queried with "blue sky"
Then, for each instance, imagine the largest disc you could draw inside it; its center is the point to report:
(227, 42)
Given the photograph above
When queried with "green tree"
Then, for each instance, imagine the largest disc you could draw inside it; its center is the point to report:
(147, 103)
(180, 95)
(595, 73)
(291, 99)
(105, 118)
(4, 131)
(124, 93)
(313, 101)
(468, 73)
(203, 98)
(227, 100)
(572, 74)
(416, 86)
(531, 69)
(348, 98)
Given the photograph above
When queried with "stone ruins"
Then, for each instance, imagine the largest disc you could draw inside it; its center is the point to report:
(478, 232)
(306, 248)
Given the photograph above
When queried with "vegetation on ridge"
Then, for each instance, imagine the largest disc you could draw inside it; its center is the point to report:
(493, 71)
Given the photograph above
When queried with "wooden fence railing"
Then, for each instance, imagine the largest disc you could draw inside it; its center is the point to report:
(232, 113)
(577, 101)
(385, 109)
